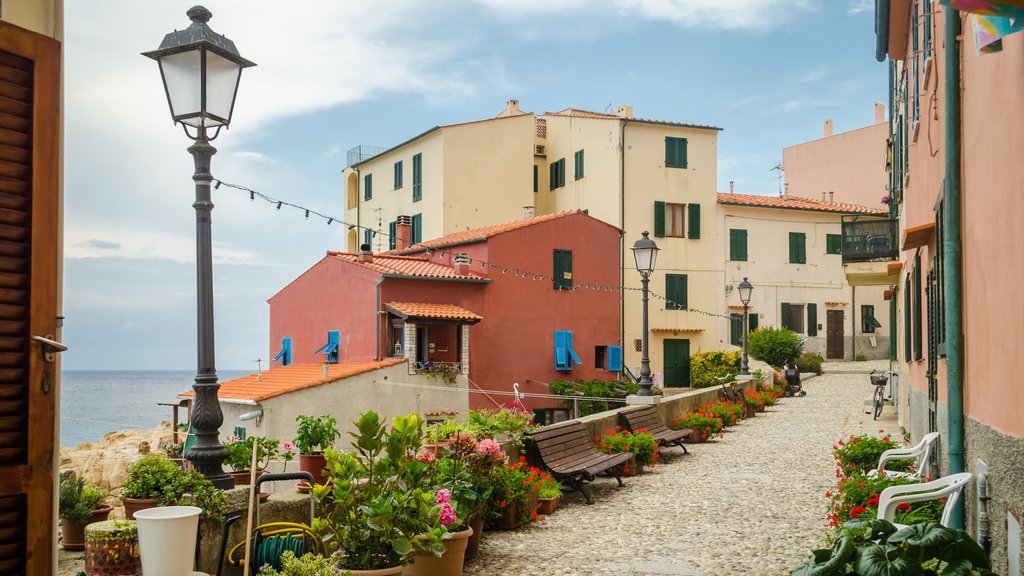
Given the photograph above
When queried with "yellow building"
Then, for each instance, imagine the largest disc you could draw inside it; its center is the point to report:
(633, 173)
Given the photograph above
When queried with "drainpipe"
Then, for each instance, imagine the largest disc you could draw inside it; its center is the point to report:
(853, 316)
(359, 209)
(951, 250)
(622, 236)
(376, 321)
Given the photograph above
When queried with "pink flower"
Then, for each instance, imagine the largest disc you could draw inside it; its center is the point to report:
(426, 457)
(447, 516)
(444, 496)
(288, 447)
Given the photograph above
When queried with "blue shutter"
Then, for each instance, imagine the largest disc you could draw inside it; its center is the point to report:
(572, 352)
(331, 349)
(562, 350)
(285, 355)
(615, 358)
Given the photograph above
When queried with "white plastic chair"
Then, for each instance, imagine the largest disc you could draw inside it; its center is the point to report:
(921, 451)
(950, 486)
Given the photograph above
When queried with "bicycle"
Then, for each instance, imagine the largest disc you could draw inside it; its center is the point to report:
(879, 381)
(725, 394)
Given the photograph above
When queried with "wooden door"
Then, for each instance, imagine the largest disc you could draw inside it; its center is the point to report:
(29, 216)
(677, 363)
(834, 348)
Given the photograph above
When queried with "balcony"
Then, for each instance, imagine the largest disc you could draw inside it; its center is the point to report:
(363, 152)
(870, 239)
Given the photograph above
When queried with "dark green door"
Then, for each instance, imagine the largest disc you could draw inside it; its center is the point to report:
(677, 363)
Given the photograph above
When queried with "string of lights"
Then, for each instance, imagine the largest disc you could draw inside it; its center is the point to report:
(515, 270)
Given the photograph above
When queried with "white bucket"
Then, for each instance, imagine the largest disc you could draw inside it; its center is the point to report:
(167, 539)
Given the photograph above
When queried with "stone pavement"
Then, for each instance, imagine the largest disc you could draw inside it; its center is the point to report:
(749, 503)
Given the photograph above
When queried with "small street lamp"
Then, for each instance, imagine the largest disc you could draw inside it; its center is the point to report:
(645, 252)
(200, 71)
(745, 288)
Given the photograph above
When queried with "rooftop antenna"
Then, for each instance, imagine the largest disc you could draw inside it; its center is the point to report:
(259, 369)
(781, 170)
(609, 109)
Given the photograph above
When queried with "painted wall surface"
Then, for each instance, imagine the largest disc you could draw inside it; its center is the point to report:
(332, 295)
(851, 165)
(776, 280)
(44, 17)
(598, 191)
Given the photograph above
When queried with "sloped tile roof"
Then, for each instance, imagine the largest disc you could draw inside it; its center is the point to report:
(578, 113)
(795, 203)
(284, 379)
(485, 232)
(435, 311)
(406, 266)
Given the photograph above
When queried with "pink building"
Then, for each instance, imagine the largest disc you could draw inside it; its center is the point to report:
(511, 303)
(956, 172)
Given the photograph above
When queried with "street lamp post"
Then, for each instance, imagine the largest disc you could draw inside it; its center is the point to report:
(200, 71)
(745, 288)
(645, 252)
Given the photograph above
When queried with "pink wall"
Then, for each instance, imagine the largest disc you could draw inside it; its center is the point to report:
(850, 164)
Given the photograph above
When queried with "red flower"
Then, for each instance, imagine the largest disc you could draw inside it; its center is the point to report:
(904, 507)
(857, 511)
(873, 501)
(503, 504)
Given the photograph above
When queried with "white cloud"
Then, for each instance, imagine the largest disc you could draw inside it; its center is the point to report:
(107, 242)
(801, 102)
(858, 6)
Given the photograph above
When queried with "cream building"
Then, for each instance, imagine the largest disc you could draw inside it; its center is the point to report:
(633, 173)
(790, 249)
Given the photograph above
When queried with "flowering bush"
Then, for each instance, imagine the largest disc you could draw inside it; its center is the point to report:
(549, 487)
(267, 449)
(463, 468)
(705, 367)
(856, 498)
(753, 398)
(643, 446)
(513, 484)
(702, 423)
(858, 454)
(728, 411)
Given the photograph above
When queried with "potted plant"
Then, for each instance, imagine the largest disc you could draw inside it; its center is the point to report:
(313, 436)
(79, 504)
(549, 495)
(240, 455)
(112, 547)
(513, 501)
(308, 565)
(439, 433)
(378, 498)
(155, 480)
(508, 422)
(643, 446)
(702, 423)
(753, 402)
(859, 454)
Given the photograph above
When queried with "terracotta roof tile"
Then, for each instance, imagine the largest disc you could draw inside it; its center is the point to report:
(578, 113)
(428, 310)
(677, 329)
(485, 232)
(795, 203)
(284, 379)
(406, 266)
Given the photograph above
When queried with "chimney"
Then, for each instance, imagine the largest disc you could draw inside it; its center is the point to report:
(528, 212)
(327, 373)
(823, 197)
(828, 128)
(511, 108)
(879, 112)
(831, 199)
(403, 232)
(785, 191)
(462, 264)
(365, 253)
(625, 111)
(732, 186)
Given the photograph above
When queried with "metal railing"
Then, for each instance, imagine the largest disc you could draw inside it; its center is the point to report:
(868, 238)
(363, 152)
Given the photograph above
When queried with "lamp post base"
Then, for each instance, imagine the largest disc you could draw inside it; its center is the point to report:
(642, 400)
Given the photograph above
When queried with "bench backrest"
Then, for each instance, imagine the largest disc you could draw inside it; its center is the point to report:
(644, 418)
(562, 442)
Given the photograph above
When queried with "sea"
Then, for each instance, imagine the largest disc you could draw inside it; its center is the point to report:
(95, 402)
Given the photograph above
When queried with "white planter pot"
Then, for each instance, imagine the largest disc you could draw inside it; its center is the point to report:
(167, 539)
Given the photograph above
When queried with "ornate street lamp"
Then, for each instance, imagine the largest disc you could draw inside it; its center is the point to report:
(745, 288)
(200, 71)
(645, 252)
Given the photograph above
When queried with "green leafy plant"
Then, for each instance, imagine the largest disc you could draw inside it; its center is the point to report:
(445, 429)
(706, 366)
(728, 411)
(446, 371)
(592, 389)
(774, 346)
(702, 423)
(315, 434)
(513, 484)
(643, 446)
(267, 449)
(859, 454)
(159, 478)
(877, 548)
(511, 420)
(464, 468)
(77, 500)
(378, 498)
(810, 362)
(753, 398)
(549, 487)
(856, 498)
(308, 565)
(861, 358)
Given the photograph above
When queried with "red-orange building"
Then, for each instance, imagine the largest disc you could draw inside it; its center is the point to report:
(522, 302)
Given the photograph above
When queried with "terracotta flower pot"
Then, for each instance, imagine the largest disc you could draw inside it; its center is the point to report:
(392, 571)
(751, 411)
(242, 478)
(548, 505)
(133, 505)
(72, 534)
(112, 548)
(449, 564)
(510, 519)
(316, 465)
(473, 544)
(695, 437)
(629, 468)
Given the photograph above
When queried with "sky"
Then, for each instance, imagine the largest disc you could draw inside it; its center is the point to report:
(335, 74)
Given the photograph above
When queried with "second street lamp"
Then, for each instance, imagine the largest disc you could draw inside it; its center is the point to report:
(745, 288)
(200, 71)
(645, 253)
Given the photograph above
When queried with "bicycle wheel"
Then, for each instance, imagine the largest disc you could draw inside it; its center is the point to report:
(879, 394)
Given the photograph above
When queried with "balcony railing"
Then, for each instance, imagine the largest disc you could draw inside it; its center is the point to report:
(867, 238)
(363, 152)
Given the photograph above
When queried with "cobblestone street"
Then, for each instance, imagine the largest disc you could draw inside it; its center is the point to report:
(749, 503)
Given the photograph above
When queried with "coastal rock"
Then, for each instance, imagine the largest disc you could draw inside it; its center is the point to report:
(105, 462)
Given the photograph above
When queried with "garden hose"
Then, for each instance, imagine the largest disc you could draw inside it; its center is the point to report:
(274, 538)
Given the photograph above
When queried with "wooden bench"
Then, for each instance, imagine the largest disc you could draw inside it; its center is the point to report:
(646, 419)
(567, 450)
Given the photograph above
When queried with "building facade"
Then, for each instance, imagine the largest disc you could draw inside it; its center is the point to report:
(632, 173)
(956, 176)
(790, 249)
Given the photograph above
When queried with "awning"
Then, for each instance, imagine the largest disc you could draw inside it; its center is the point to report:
(429, 311)
(917, 236)
(873, 273)
(677, 329)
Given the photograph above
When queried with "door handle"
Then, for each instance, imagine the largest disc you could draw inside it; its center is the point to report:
(50, 346)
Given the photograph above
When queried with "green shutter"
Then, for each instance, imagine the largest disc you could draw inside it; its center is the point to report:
(677, 362)
(659, 219)
(534, 177)
(417, 228)
(368, 187)
(553, 176)
(753, 322)
(579, 164)
(675, 152)
(561, 172)
(785, 316)
(918, 326)
(738, 244)
(797, 248)
(392, 230)
(398, 175)
(803, 248)
(417, 177)
(693, 226)
(735, 329)
(675, 291)
(906, 321)
(833, 243)
(561, 277)
(812, 319)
